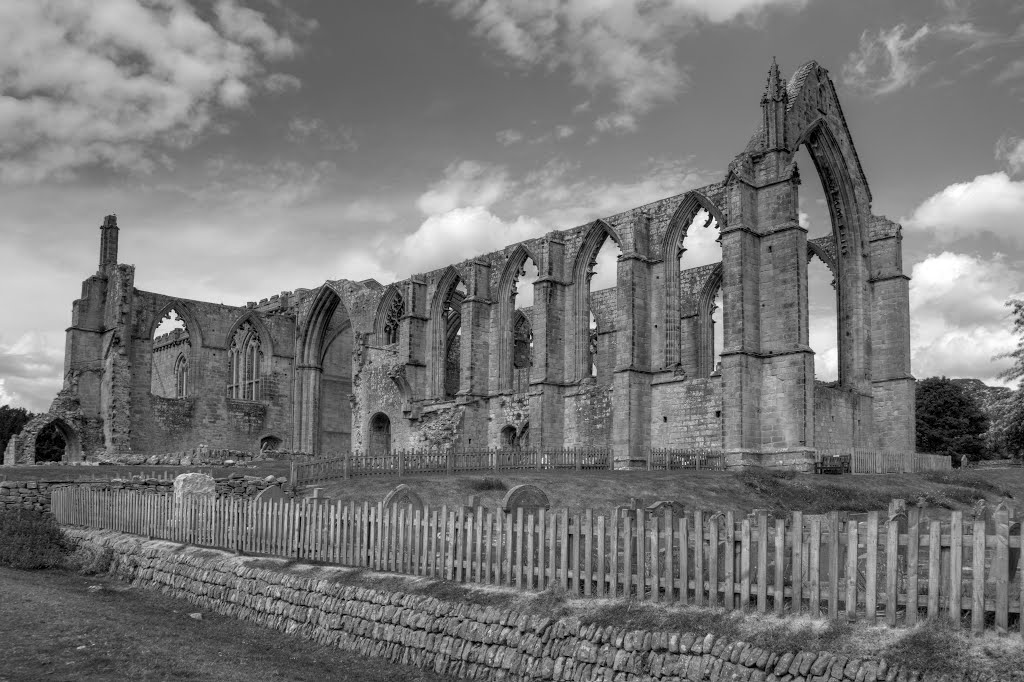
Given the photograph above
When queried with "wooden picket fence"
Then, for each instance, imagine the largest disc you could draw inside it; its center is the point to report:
(408, 462)
(898, 568)
(863, 461)
(697, 459)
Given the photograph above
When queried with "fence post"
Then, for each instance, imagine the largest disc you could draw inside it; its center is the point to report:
(449, 461)
(578, 455)
(346, 457)
(401, 463)
(293, 474)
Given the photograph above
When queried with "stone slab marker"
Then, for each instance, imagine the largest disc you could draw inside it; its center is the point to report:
(403, 496)
(272, 494)
(194, 484)
(527, 497)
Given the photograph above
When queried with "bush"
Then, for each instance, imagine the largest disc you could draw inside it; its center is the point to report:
(31, 540)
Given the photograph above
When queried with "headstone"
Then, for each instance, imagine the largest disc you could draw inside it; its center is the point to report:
(193, 484)
(271, 494)
(526, 497)
(636, 503)
(403, 496)
(660, 506)
(473, 501)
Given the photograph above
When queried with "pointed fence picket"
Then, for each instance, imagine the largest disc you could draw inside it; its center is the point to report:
(909, 565)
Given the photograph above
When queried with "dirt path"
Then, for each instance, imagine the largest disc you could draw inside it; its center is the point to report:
(56, 625)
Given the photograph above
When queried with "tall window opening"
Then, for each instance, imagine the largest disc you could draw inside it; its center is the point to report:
(451, 315)
(380, 435)
(393, 320)
(602, 276)
(522, 325)
(50, 444)
(822, 283)
(172, 348)
(245, 364)
(701, 324)
(508, 437)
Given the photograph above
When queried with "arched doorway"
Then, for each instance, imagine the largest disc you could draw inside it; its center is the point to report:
(56, 442)
(270, 443)
(379, 441)
(508, 437)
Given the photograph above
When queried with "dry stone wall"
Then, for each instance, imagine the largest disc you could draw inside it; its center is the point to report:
(35, 495)
(463, 640)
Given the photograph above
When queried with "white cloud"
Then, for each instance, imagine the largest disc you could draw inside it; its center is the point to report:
(1010, 72)
(31, 370)
(959, 322)
(100, 82)
(508, 137)
(369, 211)
(1010, 150)
(626, 47)
(564, 131)
(990, 203)
(461, 233)
(465, 183)
(884, 62)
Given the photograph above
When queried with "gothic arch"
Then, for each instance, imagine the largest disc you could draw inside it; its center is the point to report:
(186, 314)
(506, 313)
(386, 321)
(441, 330)
(312, 342)
(579, 317)
(823, 255)
(266, 340)
(705, 324)
(675, 235)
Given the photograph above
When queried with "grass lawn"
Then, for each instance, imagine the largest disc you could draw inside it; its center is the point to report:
(59, 625)
(710, 490)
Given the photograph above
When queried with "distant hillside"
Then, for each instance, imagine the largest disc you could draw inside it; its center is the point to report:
(995, 402)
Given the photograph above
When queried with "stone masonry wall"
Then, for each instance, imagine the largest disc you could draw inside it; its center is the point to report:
(687, 414)
(461, 640)
(36, 495)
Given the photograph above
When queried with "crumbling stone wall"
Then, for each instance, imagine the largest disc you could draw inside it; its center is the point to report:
(657, 384)
(462, 640)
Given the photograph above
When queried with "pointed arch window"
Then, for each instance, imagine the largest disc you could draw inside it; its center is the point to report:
(245, 359)
(181, 379)
(393, 319)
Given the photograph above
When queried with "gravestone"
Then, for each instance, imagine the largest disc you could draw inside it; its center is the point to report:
(658, 508)
(193, 485)
(526, 497)
(403, 496)
(272, 494)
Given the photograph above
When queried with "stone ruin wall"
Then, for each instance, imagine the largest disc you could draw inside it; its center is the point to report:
(654, 386)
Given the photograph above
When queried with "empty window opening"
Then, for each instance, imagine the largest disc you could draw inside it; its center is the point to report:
(172, 349)
(602, 276)
(823, 320)
(452, 321)
(50, 444)
(245, 363)
(508, 437)
(701, 306)
(522, 325)
(393, 320)
(380, 435)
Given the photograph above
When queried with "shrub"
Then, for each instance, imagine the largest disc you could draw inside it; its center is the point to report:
(31, 540)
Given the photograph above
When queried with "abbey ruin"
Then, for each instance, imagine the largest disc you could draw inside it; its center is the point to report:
(447, 359)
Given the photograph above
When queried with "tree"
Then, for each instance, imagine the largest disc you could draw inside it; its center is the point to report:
(12, 419)
(949, 420)
(1013, 435)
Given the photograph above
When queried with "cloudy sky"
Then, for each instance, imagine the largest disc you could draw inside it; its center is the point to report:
(255, 146)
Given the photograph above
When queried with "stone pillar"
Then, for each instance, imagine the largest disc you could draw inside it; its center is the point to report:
(476, 331)
(547, 416)
(893, 386)
(307, 382)
(631, 397)
(108, 244)
(412, 342)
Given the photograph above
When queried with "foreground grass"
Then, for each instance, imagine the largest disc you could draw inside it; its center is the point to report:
(743, 492)
(59, 625)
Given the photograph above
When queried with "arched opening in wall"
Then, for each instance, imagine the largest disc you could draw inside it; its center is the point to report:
(51, 444)
(268, 443)
(451, 315)
(336, 385)
(602, 277)
(701, 303)
(508, 437)
(523, 440)
(172, 349)
(390, 323)
(823, 319)
(822, 282)
(522, 325)
(379, 441)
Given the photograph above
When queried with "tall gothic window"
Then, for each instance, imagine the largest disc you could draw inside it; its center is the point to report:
(245, 364)
(181, 383)
(392, 320)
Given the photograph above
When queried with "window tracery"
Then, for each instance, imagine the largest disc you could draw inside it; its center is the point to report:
(245, 359)
(392, 320)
